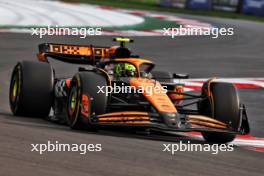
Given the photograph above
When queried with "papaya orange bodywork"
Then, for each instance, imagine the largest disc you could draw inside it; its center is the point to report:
(42, 57)
(125, 113)
(159, 100)
(177, 95)
(85, 106)
(212, 125)
(206, 119)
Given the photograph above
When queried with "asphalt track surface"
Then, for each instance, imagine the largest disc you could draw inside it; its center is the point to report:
(132, 154)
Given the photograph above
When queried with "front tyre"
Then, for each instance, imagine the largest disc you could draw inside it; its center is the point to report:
(84, 100)
(223, 105)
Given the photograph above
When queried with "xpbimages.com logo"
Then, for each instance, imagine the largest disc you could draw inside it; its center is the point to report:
(60, 147)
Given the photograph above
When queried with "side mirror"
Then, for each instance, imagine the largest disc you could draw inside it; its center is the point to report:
(145, 75)
(180, 76)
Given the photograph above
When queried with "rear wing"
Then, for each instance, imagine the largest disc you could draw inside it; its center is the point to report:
(79, 54)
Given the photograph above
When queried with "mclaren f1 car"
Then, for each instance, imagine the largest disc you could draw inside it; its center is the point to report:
(36, 91)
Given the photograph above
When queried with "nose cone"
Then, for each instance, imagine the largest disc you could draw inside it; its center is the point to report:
(172, 120)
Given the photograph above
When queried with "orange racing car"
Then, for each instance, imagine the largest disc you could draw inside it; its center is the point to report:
(119, 89)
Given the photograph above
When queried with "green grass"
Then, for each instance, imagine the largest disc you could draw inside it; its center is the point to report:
(153, 5)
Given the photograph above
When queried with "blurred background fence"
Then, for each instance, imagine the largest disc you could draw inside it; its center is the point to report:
(254, 7)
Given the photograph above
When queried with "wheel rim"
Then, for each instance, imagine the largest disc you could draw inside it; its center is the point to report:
(73, 99)
(73, 104)
(14, 89)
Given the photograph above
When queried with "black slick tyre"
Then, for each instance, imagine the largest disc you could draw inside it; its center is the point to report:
(223, 106)
(31, 89)
(84, 101)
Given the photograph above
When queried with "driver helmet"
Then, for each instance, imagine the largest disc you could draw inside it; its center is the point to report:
(124, 70)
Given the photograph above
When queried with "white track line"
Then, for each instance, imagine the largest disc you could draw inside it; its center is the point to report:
(251, 142)
(19, 13)
(252, 83)
(43, 13)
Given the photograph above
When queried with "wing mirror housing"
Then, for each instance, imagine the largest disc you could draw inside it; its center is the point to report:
(180, 76)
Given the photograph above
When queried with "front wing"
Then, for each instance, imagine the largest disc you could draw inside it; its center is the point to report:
(152, 121)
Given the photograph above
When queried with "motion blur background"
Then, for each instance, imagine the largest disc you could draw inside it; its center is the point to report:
(254, 7)
(237, 8)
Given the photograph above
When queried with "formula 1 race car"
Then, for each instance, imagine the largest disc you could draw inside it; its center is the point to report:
(114, 88)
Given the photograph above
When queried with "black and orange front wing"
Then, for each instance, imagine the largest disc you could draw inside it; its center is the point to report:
(150, 120)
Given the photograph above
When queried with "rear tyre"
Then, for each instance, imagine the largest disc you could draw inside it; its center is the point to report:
(31, 89)
(222, 106)
(84, 101)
